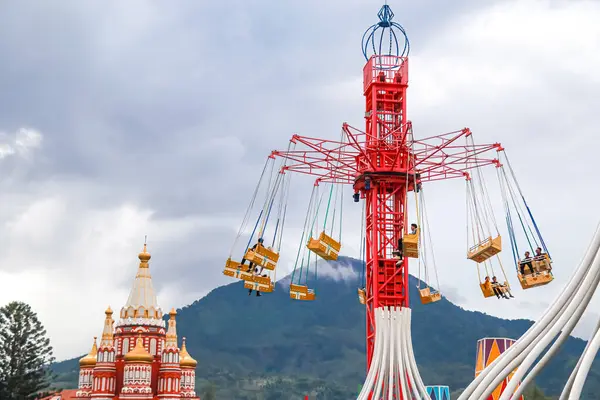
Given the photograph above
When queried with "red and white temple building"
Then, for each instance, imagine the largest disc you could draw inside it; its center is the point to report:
(139, 356)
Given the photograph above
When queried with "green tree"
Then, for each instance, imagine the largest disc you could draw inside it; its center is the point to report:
(25, 353)
(209, 392)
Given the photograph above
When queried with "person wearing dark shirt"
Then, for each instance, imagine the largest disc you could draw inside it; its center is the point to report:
(526, 262)
(259, 242)
(503, 289)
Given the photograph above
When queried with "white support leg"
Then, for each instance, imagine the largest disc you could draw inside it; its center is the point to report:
(393, 373)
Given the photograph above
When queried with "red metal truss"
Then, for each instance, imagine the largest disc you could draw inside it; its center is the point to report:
(433, 158)
(384, 163)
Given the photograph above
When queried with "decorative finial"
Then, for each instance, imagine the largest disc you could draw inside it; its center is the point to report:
(108, 311)
(173, 313)
(144, 256)
(385, 34)
(90, 359)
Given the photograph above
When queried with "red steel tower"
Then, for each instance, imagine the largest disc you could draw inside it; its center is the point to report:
(384, 164)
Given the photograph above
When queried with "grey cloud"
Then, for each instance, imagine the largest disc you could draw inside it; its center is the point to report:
(454, 294)
(176, 108)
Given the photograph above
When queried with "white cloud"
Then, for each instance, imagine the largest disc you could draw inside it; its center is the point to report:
(20, 143)
(70, 262)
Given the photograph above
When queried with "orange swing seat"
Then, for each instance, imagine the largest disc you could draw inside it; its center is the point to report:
(410, 245)
(362, 296)
(262, 256)
(428, 297)
(301, 292)
(325, 247)
(485, 249)
(234, 269)
(260, 283)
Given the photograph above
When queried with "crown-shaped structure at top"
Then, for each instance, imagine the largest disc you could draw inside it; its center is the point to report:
(383, 38)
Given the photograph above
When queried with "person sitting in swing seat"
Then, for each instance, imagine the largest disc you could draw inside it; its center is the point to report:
(257, 273)
(398, 253)
(527, 262)
(540, 256)
(487, 284)
(258, 242)
(503, 289)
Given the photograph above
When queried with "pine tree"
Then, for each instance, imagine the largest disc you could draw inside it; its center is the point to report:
(25, 353)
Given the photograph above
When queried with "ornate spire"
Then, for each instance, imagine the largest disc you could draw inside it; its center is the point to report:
(107, 331)
(185, 360)
(142, 301)
(172, 331)
(90, 359)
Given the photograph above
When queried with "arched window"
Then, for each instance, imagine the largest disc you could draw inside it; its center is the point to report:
(153, 346)
(125, 346)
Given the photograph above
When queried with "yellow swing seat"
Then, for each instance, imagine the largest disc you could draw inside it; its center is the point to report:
(487, 289)
(362, 296)
(541, 265)
(234, 269)
(301, 292)
(262, 256)
(428, 297)
(410, 245)
(325, 247)
(485, 249)
(260, 283)
(530, 281)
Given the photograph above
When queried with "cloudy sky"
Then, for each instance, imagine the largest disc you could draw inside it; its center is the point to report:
(125, 119)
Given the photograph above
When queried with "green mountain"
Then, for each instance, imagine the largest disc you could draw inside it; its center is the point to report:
(273, 347)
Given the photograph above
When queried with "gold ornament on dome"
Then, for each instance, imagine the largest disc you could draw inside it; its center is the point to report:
(90, 359)
(139, 353)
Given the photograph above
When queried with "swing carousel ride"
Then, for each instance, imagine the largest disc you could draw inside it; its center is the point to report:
(384, 165)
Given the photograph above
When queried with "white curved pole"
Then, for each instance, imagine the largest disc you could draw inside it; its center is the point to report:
(566, 323)
(483, 381)
(385, 352)
(569, 385)
(374, 368)
(401, 369)
(393, 372)
(392, 375)
(564, 335)
(584, 369)
(416, 377)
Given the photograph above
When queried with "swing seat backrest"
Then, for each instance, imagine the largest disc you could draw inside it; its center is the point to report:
(301, 292)
(299, 288)
(261, 283)
(233, 270)
(486, 289)
(262, 256)
(485, 249)
(329, 241)
(411, 238)
(428, 297)
(325, 247)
